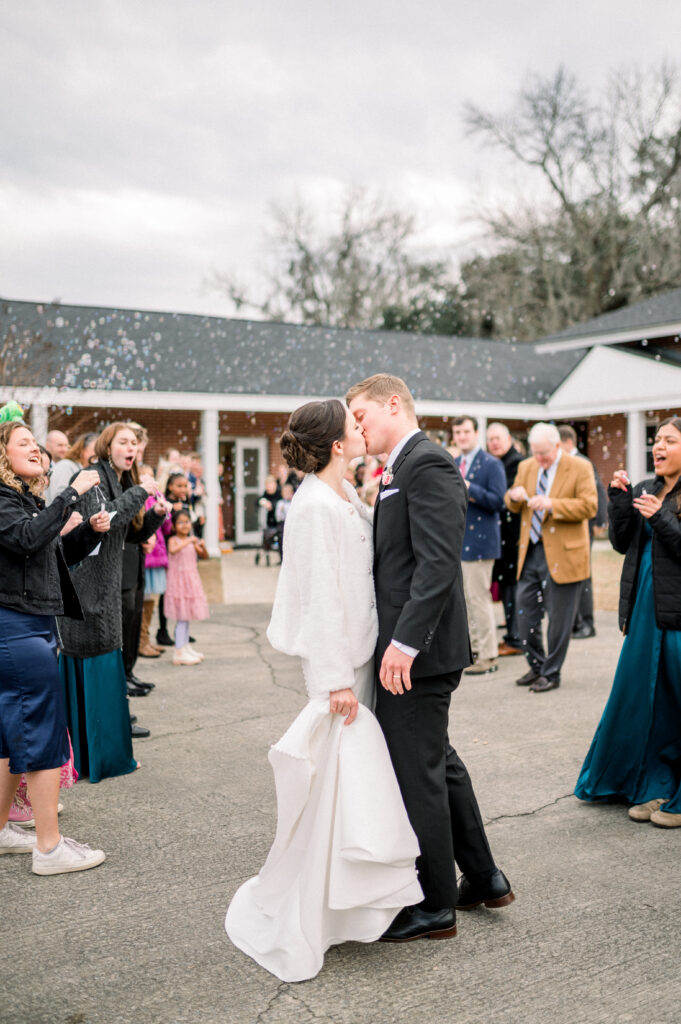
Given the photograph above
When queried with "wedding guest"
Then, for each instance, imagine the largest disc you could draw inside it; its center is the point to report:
(583, 627)
(155, 566)
(57, 444)
(555, 496)
(76, 458)
(197, 490)
(185, 599)
(636, 752)
(177, 496)
(500, 444)
(485, 482)
(92, 665)
(132, 590)
(34, 587)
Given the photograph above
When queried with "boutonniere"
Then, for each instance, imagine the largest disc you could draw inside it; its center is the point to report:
(386, 478)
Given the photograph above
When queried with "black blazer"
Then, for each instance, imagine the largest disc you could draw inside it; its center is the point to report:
(628, 536)
(34, 577)
(418, 537)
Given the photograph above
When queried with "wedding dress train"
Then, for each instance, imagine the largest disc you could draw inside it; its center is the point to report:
(342, 862)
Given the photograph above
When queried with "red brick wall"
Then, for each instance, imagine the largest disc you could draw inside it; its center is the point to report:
(167, 428)
(607, 443)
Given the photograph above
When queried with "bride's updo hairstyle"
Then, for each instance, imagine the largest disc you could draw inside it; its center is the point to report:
(307, 441)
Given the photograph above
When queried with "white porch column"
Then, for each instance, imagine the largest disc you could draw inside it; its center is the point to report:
(482, 430)
(210, 440)
(636, 446)
(39, 422)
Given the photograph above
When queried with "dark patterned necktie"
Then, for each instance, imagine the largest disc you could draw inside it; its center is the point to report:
(538, 513)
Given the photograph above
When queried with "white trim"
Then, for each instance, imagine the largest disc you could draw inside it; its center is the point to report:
(210, 433)
(611, 337)
(491, 410)
(198, 401)
(610, 381)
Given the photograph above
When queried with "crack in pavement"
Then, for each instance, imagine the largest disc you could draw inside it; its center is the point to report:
(528, 814)
(281, 988)
(291, 993)
(260, 648)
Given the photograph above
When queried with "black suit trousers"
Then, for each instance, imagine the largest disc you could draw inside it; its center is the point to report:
(436, 787)
(132, 601)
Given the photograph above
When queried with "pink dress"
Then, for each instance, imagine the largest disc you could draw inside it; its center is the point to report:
(184, 598)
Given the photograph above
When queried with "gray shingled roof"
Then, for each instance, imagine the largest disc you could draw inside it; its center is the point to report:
(124, 349)
(644, 316)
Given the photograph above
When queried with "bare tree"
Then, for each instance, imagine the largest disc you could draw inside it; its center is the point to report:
(359, 273)
(607, 231)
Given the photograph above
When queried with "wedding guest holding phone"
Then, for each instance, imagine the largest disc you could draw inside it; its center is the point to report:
(34, 587)
(636, 752)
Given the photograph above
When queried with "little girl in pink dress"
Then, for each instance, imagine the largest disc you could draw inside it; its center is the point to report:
(185, 599)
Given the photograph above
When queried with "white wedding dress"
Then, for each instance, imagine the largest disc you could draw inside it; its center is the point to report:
(342, 862)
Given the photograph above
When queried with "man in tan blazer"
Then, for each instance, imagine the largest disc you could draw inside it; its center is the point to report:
(556, 496)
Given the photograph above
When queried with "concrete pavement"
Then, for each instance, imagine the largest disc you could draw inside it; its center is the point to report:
(592, 937)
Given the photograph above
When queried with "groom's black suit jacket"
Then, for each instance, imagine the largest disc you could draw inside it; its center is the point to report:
(418, 539)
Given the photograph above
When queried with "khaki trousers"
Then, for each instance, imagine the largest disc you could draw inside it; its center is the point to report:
(477, 579)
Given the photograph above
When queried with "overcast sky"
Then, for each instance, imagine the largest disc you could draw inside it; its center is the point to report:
(142, 141)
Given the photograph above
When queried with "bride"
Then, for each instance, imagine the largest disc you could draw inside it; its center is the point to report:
(342, 862)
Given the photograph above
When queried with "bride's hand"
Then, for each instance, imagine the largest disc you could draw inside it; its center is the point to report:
(344, 702)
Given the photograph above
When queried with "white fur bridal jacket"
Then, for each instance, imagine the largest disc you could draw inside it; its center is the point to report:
(325, 607)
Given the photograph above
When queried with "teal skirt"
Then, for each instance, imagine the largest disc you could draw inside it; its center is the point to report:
(636, 752)
(97, 713)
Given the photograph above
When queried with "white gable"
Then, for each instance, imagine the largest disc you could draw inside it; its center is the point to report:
(609, 380)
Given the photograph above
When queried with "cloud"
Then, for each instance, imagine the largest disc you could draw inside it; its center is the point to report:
(148, 140)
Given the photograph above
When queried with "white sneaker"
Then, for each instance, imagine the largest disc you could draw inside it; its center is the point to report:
(194, 653)
(14, 840)
(184, 657)
(68, 855)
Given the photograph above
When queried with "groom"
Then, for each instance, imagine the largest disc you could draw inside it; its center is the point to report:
(423, 647)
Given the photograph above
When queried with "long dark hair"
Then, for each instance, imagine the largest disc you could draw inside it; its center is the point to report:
(307, 441)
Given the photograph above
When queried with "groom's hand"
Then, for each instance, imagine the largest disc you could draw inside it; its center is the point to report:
(395, 670)
(344, 702)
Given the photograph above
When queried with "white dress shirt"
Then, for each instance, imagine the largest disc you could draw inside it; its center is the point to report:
(411, 651)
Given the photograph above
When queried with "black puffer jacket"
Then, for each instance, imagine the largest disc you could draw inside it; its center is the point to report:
(98, 578)
(627, 535)
(33, 558)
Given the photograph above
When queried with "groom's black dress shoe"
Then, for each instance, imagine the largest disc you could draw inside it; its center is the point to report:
(529, 677)
(543, 685)
(494, 892)
(415, 923)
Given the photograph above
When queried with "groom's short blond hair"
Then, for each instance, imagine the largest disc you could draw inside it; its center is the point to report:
(380, 387)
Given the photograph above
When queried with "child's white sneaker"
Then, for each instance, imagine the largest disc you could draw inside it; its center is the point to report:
(14, 840)
(183, 656)
(68, 855)
(194, 653)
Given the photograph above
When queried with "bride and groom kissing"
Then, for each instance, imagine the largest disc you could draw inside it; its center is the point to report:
(373, 812)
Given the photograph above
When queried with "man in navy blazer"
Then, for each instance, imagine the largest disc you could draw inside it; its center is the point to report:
(485, 478)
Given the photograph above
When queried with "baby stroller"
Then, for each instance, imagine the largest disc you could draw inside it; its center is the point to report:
(271, 539)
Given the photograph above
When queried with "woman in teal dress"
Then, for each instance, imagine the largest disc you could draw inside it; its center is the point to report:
(636, 752)
(91, 663)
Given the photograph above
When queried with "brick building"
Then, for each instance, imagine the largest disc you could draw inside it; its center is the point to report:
(227, 386)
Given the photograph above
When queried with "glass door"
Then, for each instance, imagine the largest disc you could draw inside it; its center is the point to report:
(249, 483)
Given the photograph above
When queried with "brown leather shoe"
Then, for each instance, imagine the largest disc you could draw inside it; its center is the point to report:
(147, 651)
(530, 677)
(505, 650)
